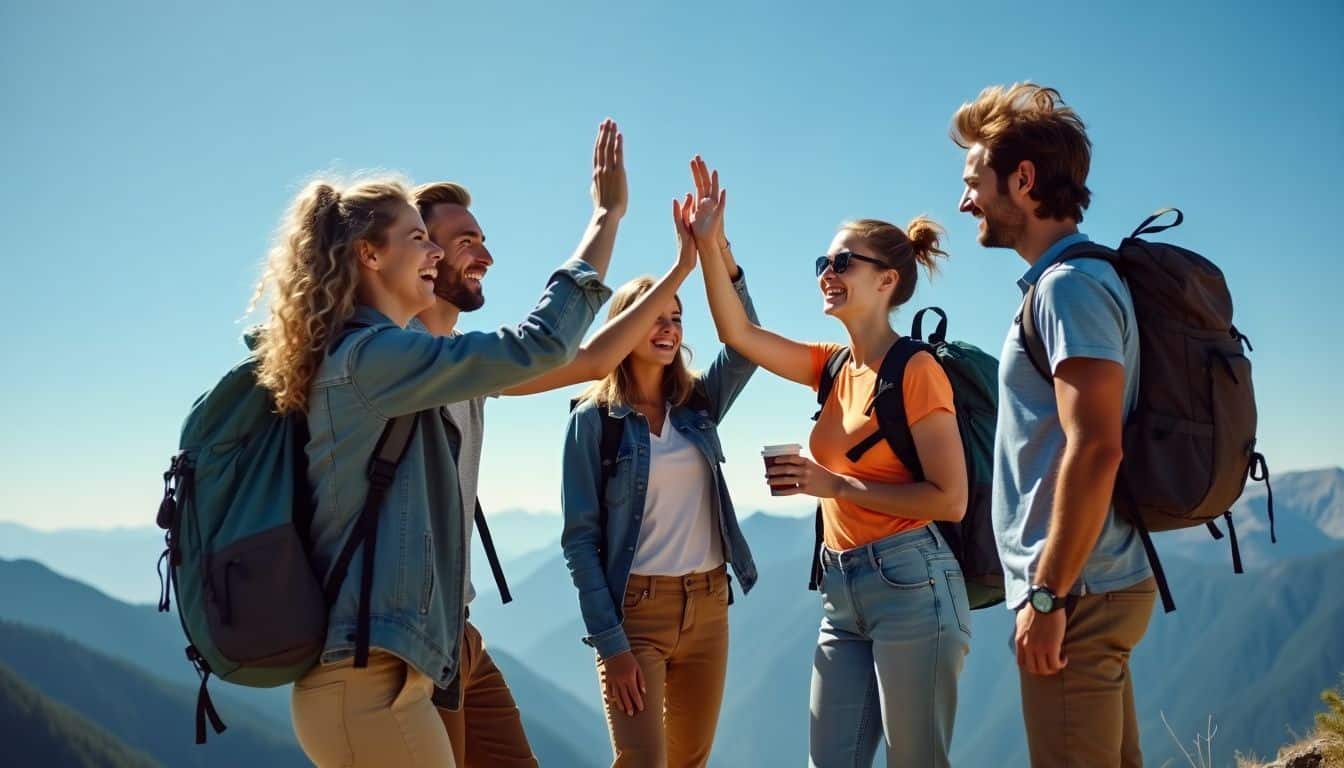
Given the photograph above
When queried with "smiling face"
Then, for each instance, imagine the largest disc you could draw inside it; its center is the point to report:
(465, 257)
(1002, 221)
(405, 265)
(662, 345)
(862, 286)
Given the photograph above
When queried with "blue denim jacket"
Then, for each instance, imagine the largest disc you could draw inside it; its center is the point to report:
(601, 589)
(382, 371)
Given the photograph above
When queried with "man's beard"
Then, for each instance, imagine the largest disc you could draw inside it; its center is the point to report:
(1003, 227)
(457, 293)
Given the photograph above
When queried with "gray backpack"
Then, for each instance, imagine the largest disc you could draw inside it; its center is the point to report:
(1189, 444)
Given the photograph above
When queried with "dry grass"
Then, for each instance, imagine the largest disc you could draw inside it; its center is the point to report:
(1328, 735)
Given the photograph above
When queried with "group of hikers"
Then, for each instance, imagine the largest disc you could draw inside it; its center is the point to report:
(367, 284)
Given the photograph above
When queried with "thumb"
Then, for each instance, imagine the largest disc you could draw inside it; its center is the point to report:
(639, 678)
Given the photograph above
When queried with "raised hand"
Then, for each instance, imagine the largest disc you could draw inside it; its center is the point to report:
(707, 186)
(687, 253)
(609, 185)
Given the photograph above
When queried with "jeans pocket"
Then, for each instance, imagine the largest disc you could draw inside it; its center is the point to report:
(633, 597)
(906, 570)
(961, 604)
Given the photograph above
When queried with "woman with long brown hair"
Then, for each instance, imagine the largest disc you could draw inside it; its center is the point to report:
(650, 531)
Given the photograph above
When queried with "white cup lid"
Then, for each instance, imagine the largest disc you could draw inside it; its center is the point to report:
(783, 449)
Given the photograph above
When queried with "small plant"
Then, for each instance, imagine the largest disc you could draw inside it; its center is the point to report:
(1203, 756)
(1330, 725)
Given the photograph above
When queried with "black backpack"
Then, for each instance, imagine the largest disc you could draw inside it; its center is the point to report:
(1189, 445)
(974, 378)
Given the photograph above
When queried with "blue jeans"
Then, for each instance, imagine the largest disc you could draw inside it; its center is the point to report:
(895, 632)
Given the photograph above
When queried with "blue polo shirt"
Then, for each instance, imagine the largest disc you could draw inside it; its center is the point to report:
(1082, 309)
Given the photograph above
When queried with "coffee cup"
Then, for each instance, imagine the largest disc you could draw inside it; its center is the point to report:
(772, 454)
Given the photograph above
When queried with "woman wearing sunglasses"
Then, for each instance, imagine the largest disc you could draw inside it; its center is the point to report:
(893, 638)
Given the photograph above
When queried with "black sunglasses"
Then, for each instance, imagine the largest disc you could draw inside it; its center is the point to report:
(840, 262)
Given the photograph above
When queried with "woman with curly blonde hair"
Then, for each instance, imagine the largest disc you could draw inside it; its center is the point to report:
(352, 267)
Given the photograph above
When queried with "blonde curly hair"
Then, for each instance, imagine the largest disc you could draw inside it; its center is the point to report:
(312, 273)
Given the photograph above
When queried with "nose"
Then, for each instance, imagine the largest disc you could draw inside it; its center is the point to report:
(485, 256)
(964, 205)
(435, 252)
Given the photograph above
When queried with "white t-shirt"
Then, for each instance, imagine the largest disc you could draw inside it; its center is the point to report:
(680, 530)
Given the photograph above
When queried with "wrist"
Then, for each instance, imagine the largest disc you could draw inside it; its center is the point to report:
(607, 214)
(1043, 599)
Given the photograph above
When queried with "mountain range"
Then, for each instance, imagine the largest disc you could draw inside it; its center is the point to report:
(1250, 650)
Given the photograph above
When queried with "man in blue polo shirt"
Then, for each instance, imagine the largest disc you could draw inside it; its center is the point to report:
(1076, 573)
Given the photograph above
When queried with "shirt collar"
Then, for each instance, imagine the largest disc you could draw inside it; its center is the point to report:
(1048, 258)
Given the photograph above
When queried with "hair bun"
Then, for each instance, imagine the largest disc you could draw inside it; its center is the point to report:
(925, 236)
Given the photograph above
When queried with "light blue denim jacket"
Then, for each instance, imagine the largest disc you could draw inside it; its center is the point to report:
(601, 589)
(382, 371)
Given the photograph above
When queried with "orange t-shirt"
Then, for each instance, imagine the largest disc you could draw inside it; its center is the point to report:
(843, 424)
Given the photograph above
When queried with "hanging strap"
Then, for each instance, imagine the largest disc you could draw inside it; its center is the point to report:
(1260, 474)
(205, 708)
(814, 580)
(1159, 575)
(488, 543)
(1232, 538)
(387, 454)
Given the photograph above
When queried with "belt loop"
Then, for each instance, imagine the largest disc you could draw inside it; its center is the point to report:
(649, 586)
(873, 558)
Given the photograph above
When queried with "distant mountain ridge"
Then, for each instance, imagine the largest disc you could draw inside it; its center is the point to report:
(564, 731)
(144, 712)
(37, 730)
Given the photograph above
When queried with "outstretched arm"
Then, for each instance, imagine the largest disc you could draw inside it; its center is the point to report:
(781, 356)
(612, 343)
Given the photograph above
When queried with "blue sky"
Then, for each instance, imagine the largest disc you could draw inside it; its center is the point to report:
(149, 149)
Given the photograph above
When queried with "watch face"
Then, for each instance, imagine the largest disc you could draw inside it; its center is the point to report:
(1041, 601)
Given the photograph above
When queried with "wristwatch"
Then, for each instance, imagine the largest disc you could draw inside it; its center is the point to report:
(1043, 599)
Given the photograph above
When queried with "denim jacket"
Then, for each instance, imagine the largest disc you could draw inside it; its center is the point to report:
(601, 587)
(382, 371)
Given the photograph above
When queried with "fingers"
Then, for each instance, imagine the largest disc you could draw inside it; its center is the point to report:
(618, 147)
(624, 700)
(701, 176)
(714, 186)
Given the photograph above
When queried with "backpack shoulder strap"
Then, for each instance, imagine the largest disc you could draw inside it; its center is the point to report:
(608, 448)
(1028, 335)
(488, 544)
(889, 403)
(834, 364)
(699, 399)
(387, 454)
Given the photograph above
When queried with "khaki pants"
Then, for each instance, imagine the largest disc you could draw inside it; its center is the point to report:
(1084, 715)
(487, 729)
(377, 716)
(678, 632)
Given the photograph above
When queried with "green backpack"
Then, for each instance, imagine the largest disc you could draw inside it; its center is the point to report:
(974, 378)
(236, 510)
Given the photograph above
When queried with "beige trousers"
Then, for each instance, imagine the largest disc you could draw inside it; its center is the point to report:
(369, 718)
(678, 632)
